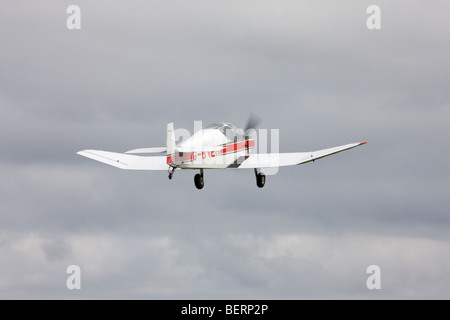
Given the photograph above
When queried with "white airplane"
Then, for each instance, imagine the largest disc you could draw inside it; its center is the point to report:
(219, 145)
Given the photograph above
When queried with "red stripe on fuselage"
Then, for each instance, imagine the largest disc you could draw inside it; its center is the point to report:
(227, 148)
(238, 146)
(179, 157)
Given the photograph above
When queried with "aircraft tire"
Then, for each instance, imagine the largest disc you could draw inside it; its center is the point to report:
(198, 179)
(260, 180)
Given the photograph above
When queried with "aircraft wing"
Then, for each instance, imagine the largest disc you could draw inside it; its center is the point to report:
(127, 161)
(269, 160)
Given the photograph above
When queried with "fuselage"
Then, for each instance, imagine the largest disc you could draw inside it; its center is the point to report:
(218, 145)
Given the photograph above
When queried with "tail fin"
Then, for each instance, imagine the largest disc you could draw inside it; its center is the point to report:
(170, 142)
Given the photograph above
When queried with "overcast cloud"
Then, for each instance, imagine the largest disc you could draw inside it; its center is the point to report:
(309, 68)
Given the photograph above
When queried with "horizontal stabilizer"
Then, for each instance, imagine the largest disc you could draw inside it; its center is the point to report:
(148, 150)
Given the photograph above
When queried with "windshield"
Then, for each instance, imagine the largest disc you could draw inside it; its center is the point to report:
(231, 131)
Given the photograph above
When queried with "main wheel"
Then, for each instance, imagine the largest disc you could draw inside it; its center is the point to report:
(260, 180)
(198, 179)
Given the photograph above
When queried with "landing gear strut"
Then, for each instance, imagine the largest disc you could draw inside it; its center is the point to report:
(171, 172)
(260, 178)
(198, 179)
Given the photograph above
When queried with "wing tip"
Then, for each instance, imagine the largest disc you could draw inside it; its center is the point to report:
(84, 152)
(361, 143)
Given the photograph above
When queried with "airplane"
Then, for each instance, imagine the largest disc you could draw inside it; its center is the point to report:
(219, 145)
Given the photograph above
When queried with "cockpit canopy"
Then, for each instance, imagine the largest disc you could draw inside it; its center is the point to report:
(229, 130)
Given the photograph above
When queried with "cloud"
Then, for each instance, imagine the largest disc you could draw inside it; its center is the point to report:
(269, 266)
(56, 250)
(312, 70)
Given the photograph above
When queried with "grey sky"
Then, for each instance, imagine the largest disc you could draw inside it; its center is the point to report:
(311, 69)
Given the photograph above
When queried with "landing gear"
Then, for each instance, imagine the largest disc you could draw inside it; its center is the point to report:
(260, 178)
(198, 179)
(171, 172)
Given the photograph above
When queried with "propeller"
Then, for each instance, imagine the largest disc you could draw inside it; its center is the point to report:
(252, 123)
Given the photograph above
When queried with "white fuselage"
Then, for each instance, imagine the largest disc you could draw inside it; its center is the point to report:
(208, 149)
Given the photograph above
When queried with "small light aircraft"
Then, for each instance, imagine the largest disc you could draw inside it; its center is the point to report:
(220, 145)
